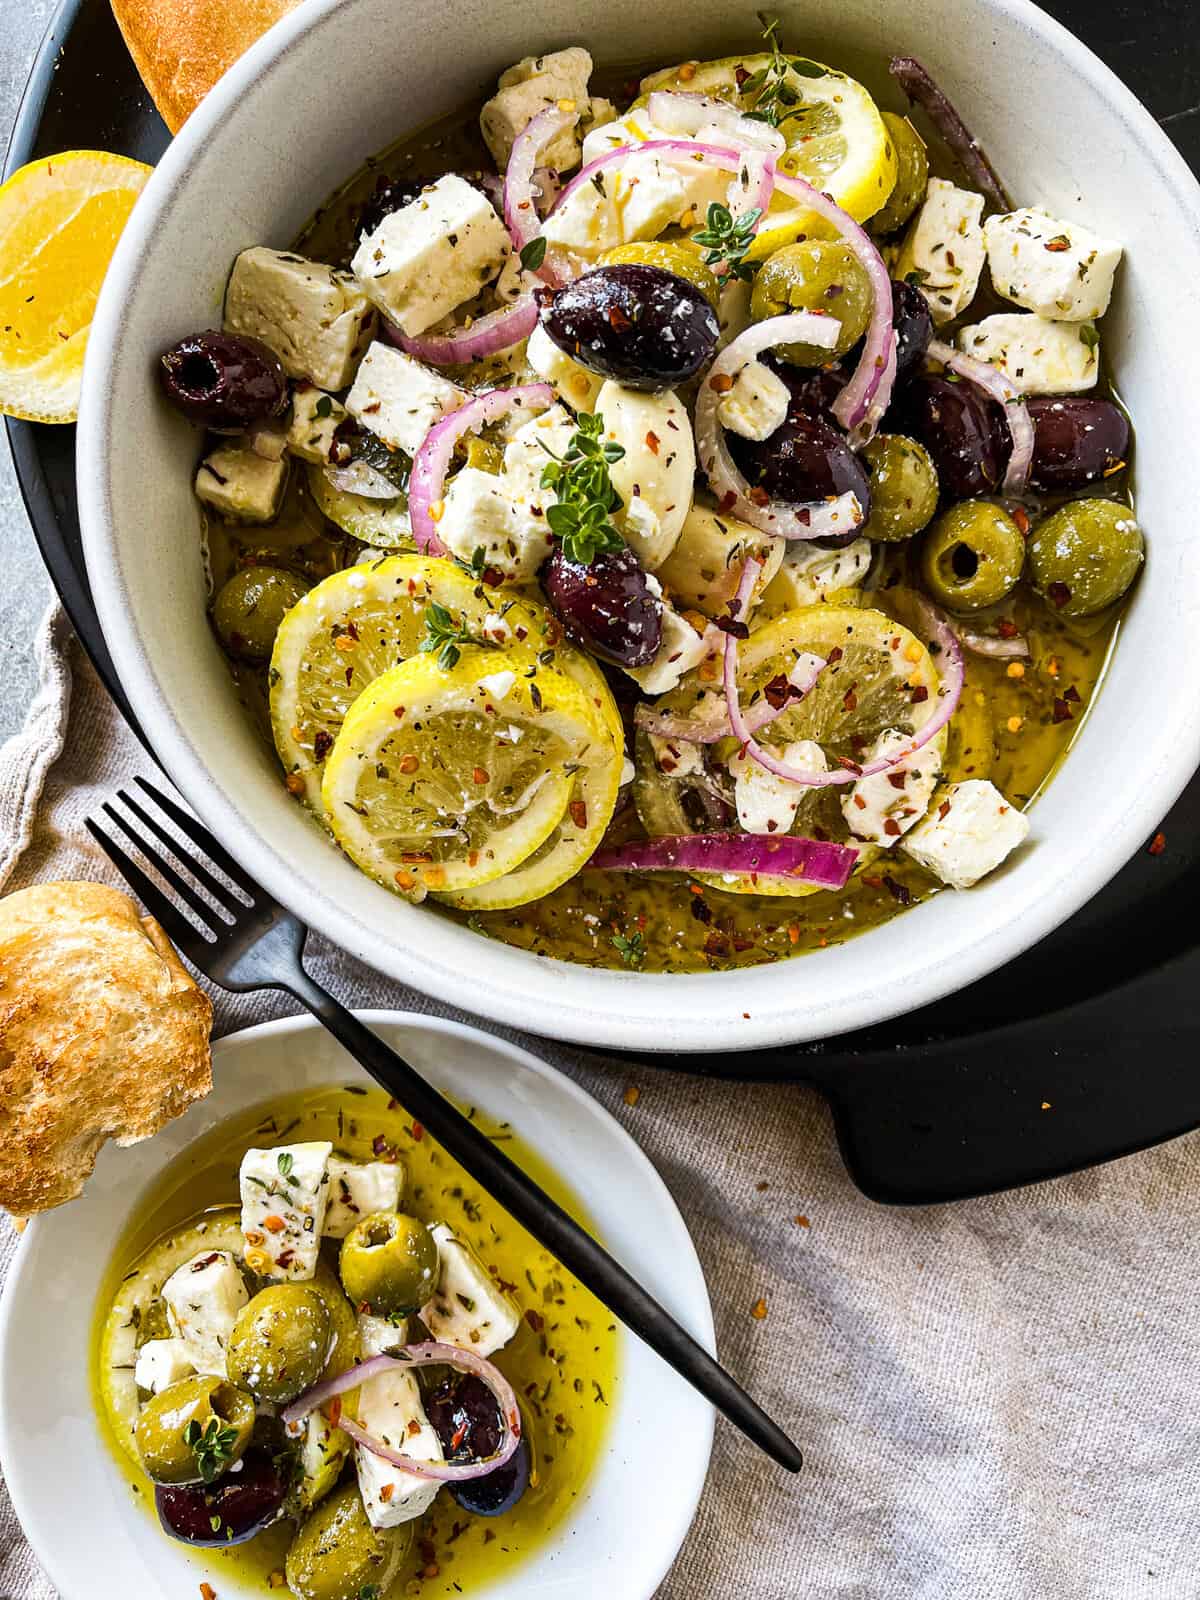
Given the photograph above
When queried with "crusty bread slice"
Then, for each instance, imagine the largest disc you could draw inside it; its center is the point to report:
(181, 47)
(103, 1035)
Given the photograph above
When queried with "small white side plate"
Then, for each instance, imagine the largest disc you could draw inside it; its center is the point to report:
(74, 1504)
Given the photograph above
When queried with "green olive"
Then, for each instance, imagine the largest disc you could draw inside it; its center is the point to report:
(912, 176)
(389, 1264)
(279, 1343)
(1085, 555)
(817, 275)
(972, 556)
(681, 259)
(194, 1430)
(248, 610)
(904, 487)
(338, 1555)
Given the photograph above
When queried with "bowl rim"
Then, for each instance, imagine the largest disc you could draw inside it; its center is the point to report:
(594, 1006)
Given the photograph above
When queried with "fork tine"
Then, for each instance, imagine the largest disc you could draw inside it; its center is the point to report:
(167, 869)
(219, 891)
(203, 840)
(179, 930)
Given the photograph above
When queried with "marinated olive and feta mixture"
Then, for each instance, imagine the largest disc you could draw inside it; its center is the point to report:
(678, 529)
(342, 1367)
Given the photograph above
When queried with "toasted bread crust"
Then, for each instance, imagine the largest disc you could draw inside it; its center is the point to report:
(181, 47)
(103, 1035)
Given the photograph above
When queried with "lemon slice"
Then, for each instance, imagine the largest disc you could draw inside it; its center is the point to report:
(836, 138)
(60, 219)
(383, 523)
(445, 778)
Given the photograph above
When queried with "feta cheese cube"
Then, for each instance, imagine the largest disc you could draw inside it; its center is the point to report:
(637, 201)
(479, 512)
(1036, 355)
(533, 85)
(316, 417)
(944, 249)
(886, 806)
(634, 127)
(682, 648)
(389, 1407)
(241, 485)
(766, 803)
(576, 384)
(809, 577)
(528, 452)
(703, 185)
(355, 1191)
(757, 404)
(970, 829)
(317, 321)
(285, 1192)
(679, 758)
(160, 1363)
(1058, 269)
(433, 255)
(203, 1298)
(468, 1308)
(378, 1336)
(398, 399)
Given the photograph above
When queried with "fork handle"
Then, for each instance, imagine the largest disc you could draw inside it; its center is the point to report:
(547, 1222)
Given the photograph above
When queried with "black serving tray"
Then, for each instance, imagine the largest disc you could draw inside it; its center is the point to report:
(1082, 1049)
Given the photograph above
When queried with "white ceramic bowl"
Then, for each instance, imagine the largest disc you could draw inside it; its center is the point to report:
(74, 1503)
(340, 79)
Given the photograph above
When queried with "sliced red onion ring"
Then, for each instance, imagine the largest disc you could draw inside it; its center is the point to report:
(990, 645)
(865, 398)
(432, 460)
(1016, 413)
(520, 206)
(676, 111)
(823, 865)
(917, 84)
(950, 667)
(420, 1355)
(486, 336)
(360, 478)
(818, 518)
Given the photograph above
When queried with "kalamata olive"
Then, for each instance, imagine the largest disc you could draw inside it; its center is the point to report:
(499, 1491)
(913, 322)
(805, 459)
(465, 1419)
(606, 607)
(962, 430)
(643, 326)
(1076, 442)
(223, 381)
(233, 1509)
(388, 195)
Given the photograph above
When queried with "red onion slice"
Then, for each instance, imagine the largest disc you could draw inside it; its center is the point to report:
(810, 861)
(677, 112)
(990, 645)
(484, 337)
(419, 1355)
(432, 461)
(818, 518)
(520, 207)
(1016, 413)
(950, 666)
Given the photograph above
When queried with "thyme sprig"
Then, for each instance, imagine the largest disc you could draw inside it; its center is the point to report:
(444, 635)
(631, 948)
(775, 95)
(726, 239)
(585, 497)
(212, 1445)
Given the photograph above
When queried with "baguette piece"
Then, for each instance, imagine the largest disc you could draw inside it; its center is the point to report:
(181, 47)
(103, 1035)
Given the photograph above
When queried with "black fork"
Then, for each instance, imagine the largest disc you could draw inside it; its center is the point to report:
(243, 939)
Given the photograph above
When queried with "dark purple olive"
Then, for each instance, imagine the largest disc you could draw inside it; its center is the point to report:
(224, 381)
(466, 1420)
(233, 1509)
(641, 325)
(607, 607)
(913, 322)
(499, 1491)
(963, 431)
(1076, 442)
(805, 459)
(388, 195)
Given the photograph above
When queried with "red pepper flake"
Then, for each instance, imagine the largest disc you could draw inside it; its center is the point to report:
(322, 744)
(618, 320)
(850, 699)
(207, 1592)
(274, 1224)
(1061, 711)
(779, 691)
(535, 1320)
(802, 1222)
(1071, 694)
(728, 501)
(335, 1410)
(652, 442)
(758, 1310)
(418, 1131)
(943, 810)
(480, 775)
(1059, 243)
(1007, 628)
(1021, 517)
(382, 1150)
(920, 694)
(897, 779)
(414, 1428)
(1158, 844)
(578, 810)
(759, 496)
(294, 783)
(891, 827)
(387, 1490)
(872, 882)
(1059, 593)
(834, 656)
(409, 763)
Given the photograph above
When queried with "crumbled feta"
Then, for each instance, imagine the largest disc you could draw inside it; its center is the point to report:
(943, 251)
(203, 1298)
(398, 399)
(390, 1408)
(576, 384)
(703, 184)
(658, 467)
(1036, 355)
(316, 417)
(682, 648)
(757, 404)
(468, 1308)
(357, 1190)
(678, 758)
(808, 576)
(285, 1193)
(970, 829)
(498, 684)
(886, 806)
(240, 484)
(432, 255)
(533, 85)
(529, 450)
(767, 803)
(379, 1336)
(479, 512)
(1058, 269)
(160, 1363)
(317, 321)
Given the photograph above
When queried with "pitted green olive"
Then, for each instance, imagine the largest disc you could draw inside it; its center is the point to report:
(389, 1264)
(194, 1431)
(1085, 555)
(816, 275)
(338, 1555)
(912, 176)
(972, 556)
(904, 487)
(251, 605)
(279, 1342)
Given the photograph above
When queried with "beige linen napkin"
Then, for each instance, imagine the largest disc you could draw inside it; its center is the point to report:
(998, 1400)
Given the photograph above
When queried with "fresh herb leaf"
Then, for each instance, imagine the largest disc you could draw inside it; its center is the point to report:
(726, 239)
(323, 407)
(212, 1445)
(444, 635)
(585, 499)
(631, 949)
(370, 1591)
(286, 1161)
(533, 254)
(773, 91)
(916, 277)
(1088, 336)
